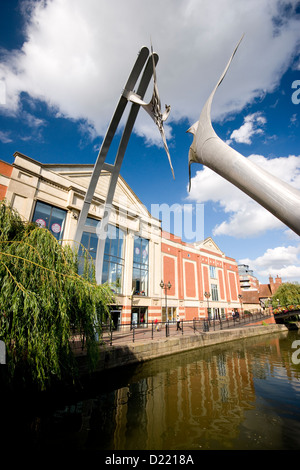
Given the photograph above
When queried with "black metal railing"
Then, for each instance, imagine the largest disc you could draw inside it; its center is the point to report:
(132, 332)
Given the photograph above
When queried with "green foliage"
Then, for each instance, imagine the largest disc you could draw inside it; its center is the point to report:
(42, 300)
(287, 293)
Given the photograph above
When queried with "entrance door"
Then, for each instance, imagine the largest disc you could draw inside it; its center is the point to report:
(139, 316)
(116, 317)
(216, 314)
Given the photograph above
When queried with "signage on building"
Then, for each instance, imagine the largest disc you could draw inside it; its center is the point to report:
(56, 228)
(41, 223)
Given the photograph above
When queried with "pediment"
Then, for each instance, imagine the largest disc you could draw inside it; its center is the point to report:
(210, 245)
(124, 197)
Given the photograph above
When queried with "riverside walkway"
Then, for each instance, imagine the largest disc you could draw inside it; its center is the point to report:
(150, 332)
(125, 346)
(125, 334)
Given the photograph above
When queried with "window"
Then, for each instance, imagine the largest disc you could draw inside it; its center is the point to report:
(212, 272)
(91, 222)
(90, 242)
(50, 217)
(214, 292)
(113, 263)
(140, 266)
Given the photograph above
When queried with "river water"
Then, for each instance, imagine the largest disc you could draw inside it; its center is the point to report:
(238, 395)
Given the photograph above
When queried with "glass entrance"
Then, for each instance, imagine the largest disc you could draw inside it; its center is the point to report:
(170, 315)
(139, 316)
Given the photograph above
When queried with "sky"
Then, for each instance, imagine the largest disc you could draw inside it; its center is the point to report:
(63, 67)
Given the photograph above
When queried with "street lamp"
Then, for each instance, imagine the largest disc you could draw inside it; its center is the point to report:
(166, 287)
(207, 295)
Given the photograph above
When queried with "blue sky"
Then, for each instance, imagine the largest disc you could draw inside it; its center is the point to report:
(63, 65)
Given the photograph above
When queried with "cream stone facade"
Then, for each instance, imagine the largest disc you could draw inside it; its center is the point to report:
(138, 254)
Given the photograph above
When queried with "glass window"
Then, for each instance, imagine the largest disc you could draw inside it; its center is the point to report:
(212, 272)
(113, 261)
(113, 264)
(214, 292)
(89, 241)
(91, 222)
(140, 266)
(50, 217)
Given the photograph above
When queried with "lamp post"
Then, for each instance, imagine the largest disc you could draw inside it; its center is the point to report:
(166, 287)
(207, 295)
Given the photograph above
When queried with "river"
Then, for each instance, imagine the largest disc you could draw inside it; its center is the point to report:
(239, 395)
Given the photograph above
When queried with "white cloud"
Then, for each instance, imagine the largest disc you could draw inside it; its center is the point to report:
(250, 127)
(5, 137)
(245, 217)
(282, 261)
(77, 55)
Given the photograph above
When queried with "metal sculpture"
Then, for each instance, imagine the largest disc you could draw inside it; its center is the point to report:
(137, 100)
(153, 108)
(278, 197)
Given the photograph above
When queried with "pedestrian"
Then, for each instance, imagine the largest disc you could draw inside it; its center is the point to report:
(178, 322)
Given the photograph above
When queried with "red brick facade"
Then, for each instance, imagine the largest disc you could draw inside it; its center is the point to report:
(195, 270)
(5, 172)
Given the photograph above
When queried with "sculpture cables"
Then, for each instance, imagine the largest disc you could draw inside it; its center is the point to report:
(278, 197)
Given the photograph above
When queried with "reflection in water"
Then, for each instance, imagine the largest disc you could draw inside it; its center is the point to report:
(240, 395)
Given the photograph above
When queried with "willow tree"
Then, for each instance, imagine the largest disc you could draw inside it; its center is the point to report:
(287, 294)
(42, 300)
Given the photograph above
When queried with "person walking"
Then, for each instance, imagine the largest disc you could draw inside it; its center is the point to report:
(178, 323)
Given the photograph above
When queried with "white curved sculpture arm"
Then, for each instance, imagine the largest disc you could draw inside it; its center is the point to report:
(279, 198)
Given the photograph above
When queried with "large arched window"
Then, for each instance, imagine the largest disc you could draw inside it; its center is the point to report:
(140, 266)
(113, 263)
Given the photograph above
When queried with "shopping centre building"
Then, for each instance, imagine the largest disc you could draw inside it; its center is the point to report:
(154, 274)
